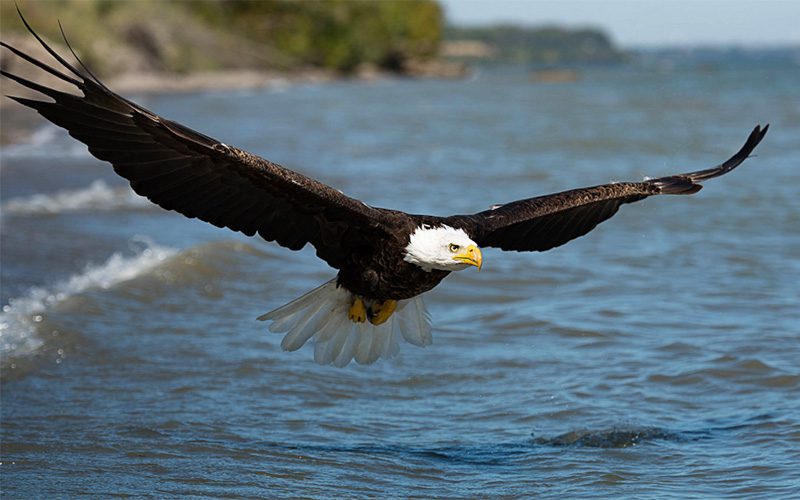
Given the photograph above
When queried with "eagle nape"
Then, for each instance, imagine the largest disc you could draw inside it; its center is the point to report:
(385, 259)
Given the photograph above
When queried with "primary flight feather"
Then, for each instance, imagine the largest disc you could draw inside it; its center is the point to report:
(386, 258)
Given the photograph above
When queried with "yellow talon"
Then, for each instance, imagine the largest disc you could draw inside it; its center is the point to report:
(381, 311)
(357, 312)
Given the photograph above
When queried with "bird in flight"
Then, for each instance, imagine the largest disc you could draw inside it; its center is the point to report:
(386, 259)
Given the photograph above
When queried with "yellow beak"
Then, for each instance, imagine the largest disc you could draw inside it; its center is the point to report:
(471, 255)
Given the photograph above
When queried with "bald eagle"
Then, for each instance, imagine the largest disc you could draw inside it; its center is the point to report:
(386, 259)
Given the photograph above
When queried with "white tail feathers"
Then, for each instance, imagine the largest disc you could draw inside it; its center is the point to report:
(321, 314)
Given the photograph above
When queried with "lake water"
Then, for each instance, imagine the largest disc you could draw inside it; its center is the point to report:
(659, 356)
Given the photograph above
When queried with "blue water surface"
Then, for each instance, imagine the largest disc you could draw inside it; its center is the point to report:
(655, 357)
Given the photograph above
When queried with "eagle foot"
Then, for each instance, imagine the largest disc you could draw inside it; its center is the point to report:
(357, 312)
(382, 310)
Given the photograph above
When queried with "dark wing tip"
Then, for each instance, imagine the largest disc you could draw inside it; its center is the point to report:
(734, 161)
(49, 50)
(689, 183)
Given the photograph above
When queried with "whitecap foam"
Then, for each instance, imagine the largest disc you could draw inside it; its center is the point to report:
(48, 141)
(97, 196)
(20, 317)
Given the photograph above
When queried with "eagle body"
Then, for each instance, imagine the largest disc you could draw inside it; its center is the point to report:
(384, 275)
(386, 259)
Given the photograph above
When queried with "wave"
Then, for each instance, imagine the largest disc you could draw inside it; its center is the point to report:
(48, 141)
(20, 318)
(618, 437)
(97, 196)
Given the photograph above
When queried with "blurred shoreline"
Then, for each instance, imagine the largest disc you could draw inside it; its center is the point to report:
(157, 46)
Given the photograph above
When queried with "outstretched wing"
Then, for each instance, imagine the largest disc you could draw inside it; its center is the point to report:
(545, 222)
(183, 170)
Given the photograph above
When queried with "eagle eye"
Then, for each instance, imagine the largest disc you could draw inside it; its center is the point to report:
(454, 248)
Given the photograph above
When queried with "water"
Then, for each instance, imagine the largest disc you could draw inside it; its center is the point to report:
(655, 357)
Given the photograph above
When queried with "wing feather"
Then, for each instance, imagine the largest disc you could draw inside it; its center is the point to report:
(186, 171)
(545, 222)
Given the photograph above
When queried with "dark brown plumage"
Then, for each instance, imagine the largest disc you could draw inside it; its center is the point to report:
(183, 170)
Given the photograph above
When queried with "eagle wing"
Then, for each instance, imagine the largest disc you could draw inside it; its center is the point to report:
(545, 222)
(183, 170)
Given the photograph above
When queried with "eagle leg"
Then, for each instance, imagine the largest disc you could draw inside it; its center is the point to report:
(357, 312)
(380, 311)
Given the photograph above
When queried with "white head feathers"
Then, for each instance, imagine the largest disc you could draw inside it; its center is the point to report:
(441, 247)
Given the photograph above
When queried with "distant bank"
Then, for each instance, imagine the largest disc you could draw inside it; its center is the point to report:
(185, 46)
(160, 46)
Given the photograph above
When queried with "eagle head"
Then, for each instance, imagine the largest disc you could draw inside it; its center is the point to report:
(443, 248)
